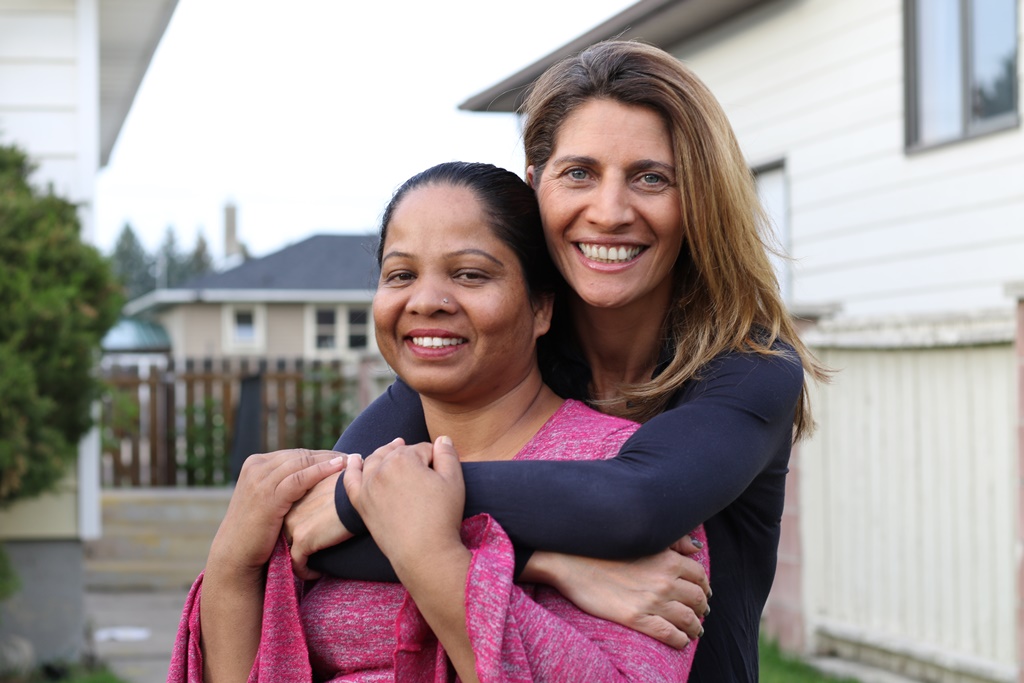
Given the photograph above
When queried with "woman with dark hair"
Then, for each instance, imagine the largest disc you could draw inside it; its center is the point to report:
(465, 290)
(672, 317)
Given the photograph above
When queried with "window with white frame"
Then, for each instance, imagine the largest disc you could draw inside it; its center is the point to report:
(326, 331)
(961, 69)
(244, 328)
(337, 328)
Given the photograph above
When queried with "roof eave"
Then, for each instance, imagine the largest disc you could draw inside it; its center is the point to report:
(129, 33)
(664, 23)
(165, 298)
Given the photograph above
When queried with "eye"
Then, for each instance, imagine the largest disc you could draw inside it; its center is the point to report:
(397, 277)
(471, 276)
(576, 174)
(653, 181)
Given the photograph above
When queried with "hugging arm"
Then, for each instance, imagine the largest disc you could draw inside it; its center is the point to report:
(677, 470)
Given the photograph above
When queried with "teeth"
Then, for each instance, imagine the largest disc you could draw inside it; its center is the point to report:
(437, 342)
(607, 254)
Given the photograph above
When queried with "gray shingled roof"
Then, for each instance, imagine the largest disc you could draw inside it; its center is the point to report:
(317, 262)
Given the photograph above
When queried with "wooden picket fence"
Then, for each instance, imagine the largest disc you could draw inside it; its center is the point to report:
(191, 423)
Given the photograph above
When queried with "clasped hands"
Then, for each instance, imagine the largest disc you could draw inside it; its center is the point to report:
(412, 498)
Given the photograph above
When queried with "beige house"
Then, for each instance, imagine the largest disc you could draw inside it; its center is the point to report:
(885, 136)
(310, 300)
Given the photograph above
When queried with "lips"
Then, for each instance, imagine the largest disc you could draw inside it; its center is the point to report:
(604, 253)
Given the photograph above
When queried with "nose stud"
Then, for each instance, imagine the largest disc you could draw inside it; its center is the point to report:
(444, 301)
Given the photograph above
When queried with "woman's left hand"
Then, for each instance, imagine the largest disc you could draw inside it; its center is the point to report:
(411, 497)
(664, 596)
(313, 524)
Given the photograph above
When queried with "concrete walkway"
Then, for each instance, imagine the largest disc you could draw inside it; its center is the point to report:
(133, 632)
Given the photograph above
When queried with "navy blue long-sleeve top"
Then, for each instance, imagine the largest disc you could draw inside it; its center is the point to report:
(718, 454)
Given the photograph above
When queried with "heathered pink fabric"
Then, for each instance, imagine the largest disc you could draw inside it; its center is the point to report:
(365, 632)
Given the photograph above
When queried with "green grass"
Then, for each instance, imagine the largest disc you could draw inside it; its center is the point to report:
(779, 667)
(96, 677)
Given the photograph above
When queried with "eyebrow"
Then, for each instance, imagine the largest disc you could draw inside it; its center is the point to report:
(461, 252)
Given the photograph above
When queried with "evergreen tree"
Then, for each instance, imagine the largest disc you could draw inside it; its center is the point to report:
(170, 261)
(133, 265)
(199, 262)
(60, 298)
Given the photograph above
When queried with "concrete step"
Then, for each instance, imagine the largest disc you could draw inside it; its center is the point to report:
(141, 575)
(165, 506)
(150, 544)
(153, 539)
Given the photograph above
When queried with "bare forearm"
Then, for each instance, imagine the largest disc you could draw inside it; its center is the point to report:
(231, 610)
(542, 567)
(437, 583)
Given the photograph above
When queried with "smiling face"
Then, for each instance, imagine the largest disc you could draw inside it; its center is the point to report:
(611, 207)
(481, 343)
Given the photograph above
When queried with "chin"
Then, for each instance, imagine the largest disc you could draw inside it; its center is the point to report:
(608, 300)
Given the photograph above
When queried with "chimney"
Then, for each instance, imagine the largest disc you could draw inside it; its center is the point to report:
(230, 231)
(233, 254)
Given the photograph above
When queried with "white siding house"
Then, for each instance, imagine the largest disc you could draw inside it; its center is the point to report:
(886, 138)
(69, 70)
(877, 227)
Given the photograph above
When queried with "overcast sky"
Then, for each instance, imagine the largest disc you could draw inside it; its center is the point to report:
(308, 114)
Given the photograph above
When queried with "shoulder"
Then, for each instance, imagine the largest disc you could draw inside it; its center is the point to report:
(781, 366)
(767, 384)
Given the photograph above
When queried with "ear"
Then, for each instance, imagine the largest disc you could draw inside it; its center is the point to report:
(543, 308)
(530, 175)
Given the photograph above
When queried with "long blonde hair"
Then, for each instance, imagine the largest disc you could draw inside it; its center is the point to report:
(726, 293)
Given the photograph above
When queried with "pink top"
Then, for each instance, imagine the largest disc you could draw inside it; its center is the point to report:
(361, 631)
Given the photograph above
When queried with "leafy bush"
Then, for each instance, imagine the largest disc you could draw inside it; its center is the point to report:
(60, 298)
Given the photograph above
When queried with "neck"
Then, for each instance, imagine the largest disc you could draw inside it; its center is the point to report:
(620, 345)
(498, 429)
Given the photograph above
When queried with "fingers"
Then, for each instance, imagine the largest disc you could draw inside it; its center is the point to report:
(692, 572)
(306, 471)
(662, 630)
(446, 460)
(686, 617)
(687, 545)
(353, 479)
(676, 624)
(300, 566)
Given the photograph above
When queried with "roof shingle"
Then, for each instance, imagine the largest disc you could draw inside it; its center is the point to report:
(317, 262)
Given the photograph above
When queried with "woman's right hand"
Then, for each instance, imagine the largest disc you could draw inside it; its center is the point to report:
(664, 596)
(233, 582)
(268, 485)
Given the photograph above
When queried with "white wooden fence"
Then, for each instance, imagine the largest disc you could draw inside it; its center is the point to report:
(909, 500)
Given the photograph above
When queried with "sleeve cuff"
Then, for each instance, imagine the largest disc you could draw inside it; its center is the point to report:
(346, 513)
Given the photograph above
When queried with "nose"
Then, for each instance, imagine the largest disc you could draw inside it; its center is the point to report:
(429, 296)
(610, 205)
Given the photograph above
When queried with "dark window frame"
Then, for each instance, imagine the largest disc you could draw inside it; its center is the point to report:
(971, 128)
(358, 332)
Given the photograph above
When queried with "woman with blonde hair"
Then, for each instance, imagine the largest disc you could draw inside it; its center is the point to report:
(672, 317)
